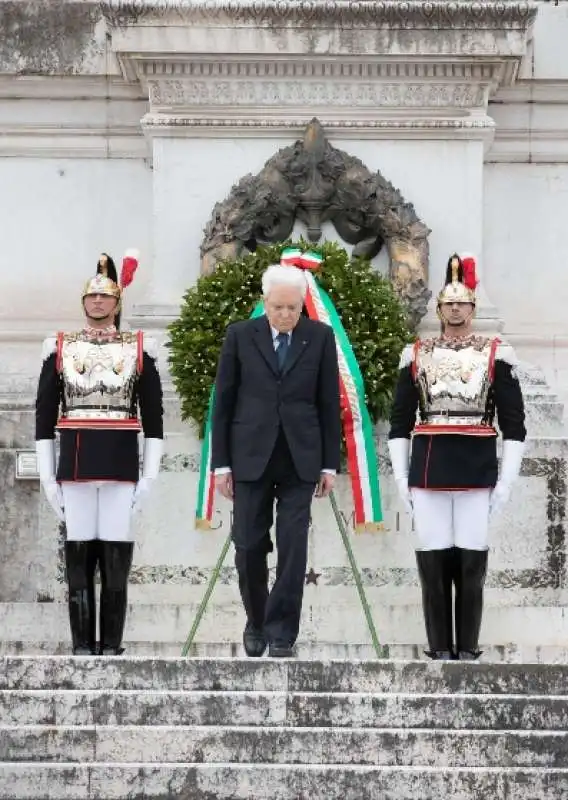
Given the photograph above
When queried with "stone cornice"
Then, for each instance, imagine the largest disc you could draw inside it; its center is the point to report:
(532, 120)
(71, 37)
(71, 117)
(389, 13)
(56, 141)
(323, 68)
(370, 93)
(421, 129)
(365, 62)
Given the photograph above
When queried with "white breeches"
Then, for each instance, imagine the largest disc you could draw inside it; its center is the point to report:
(451, 519)
(98, 510)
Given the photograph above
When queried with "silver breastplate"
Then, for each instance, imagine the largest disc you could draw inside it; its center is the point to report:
(453, 381)
(99, 377)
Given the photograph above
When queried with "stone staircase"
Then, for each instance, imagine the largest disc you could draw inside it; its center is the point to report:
(214, 729)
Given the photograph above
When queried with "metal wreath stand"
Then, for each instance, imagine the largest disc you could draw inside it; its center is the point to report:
(354, 569)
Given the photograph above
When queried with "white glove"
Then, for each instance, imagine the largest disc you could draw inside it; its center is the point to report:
(510, 469)
(153, 449)
(142, 488)
(45, 451)
(399, 450)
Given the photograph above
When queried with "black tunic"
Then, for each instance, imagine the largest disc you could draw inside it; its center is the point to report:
(457, 461)
(91, 455)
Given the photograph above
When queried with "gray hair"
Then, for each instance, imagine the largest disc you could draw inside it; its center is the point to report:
(277, 275)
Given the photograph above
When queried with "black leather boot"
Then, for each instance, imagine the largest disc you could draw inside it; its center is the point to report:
(115, 560)
(435, 568)
(470, 573)
(80, 563)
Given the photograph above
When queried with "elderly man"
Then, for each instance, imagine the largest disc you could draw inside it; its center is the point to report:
(456, 382)
(276, 436)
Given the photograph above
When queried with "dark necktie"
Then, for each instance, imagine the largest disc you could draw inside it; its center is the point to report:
(282, 350)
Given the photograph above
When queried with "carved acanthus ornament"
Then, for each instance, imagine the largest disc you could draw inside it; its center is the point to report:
(315, 182)
(392, 13)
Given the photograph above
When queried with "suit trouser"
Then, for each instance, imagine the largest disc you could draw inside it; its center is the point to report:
(279, 612)
(98, 522)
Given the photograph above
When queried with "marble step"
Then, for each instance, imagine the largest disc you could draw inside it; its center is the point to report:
(60, 674)
(104, 781)
(276, 745)
(315, 650)
(164, 622)
(363, 710)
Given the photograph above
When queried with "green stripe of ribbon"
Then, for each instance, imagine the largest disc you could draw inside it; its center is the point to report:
(203, 487)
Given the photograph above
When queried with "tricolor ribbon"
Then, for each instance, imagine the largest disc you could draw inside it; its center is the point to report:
(356, 420)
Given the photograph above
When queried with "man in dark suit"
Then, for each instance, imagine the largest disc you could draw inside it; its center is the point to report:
(276, 436)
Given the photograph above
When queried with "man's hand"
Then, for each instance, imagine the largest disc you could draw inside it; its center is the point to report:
(325, 484)
(224, 485)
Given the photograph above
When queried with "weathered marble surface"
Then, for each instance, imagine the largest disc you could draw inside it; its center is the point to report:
(94, 729)
(215, 744)
(91, 674)
(270, 782)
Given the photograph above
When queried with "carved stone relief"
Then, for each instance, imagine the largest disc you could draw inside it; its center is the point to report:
(512, 14)
(315, 182)
(325, 94)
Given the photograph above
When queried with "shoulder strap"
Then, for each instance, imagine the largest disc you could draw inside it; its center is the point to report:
(140, 352)
(414, 362)
(492, 352)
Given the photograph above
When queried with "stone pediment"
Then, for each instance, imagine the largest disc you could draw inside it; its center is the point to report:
(414, 67)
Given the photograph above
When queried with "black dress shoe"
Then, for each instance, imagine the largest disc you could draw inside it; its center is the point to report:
(439, 655)
(111, 651)
(254, 642)
(469, 655)
(83, 651)
(280, 650)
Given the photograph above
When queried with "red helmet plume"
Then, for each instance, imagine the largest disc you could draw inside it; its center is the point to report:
(470, 278)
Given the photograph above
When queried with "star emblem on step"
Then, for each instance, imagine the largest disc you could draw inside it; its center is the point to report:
(312, 577)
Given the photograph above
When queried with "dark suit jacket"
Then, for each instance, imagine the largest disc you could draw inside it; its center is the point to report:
(253, 400)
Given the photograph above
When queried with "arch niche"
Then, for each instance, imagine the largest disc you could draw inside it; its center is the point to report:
(314, 182)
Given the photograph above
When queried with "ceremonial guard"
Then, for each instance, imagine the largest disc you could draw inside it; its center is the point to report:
(450, 388)
(98, 388)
